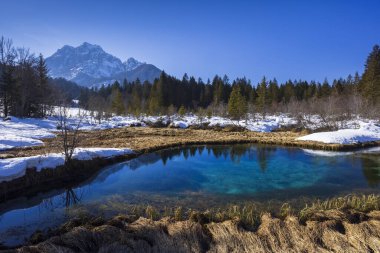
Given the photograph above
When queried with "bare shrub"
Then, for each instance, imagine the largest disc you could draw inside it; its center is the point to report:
(69, 132)
(98, 107)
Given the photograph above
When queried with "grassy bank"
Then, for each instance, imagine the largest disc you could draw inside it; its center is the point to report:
(144, 139)
(345, 224)
(248, 212)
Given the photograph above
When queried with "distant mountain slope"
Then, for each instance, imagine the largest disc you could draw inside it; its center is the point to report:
(89, 65)
(131, 64)
(144, 72)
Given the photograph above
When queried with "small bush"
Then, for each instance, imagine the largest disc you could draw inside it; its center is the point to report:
(151, 213)
(178, 214)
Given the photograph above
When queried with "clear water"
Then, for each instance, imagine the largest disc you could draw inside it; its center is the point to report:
(204, 175)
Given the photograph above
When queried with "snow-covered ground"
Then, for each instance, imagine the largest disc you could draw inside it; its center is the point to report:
(17, 132)
(12, 168)
(368, 131)
(256, 123)
(26, 132)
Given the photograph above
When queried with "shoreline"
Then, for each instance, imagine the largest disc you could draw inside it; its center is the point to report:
(35, 182)
(159, 139)
(326, 230)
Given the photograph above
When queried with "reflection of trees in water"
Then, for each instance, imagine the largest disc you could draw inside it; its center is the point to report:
(185, 153)
(237, 151)
(263, 155)
(234, 152)
(71, 197)
(219, 151)
(371, 171)
(200, 150)
(164, 159)
(169, 154)
(193, 151)
(68, 198)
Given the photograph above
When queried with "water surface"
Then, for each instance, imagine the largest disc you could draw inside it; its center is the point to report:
(201, 176)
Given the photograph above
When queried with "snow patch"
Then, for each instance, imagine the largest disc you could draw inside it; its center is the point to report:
(12, 168)
(24, 132)
(367, 132)
(8, 141)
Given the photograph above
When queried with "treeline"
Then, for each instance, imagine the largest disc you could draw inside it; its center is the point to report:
(168, 91)
(27, 91)
(352, 95)
(25, 88)
(23, 81)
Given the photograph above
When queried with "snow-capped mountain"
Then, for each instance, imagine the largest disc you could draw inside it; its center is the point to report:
(132, 63)
(90, 65)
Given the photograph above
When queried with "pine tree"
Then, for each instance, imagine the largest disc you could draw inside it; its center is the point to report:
(117, 104)
(357, 79)
(154, 106)
(42, 71)
(325, 89)
(218, 90)
(262, 96)
(370, 82)
(156, 97)
(135, 104)
(311, 90)
(273, 91)
(42, 89)
(237, 105)
(288, 90)
(338, 87)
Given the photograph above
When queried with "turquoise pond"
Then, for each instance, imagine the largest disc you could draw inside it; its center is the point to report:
(200, 176)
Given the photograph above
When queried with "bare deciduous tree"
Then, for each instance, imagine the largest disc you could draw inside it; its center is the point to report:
(69, 133)
(8, 55)
(97, 105)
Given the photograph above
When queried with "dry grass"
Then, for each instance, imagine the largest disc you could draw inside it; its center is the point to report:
(248, 213)
(224, 230)
(146, 139)
(362, 203)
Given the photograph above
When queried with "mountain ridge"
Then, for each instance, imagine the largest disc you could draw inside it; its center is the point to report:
(89, 65)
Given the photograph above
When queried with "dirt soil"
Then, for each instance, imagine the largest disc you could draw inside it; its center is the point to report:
(335, 232)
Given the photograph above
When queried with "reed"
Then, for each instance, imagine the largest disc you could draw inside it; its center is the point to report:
(248, 213)
(361, 203)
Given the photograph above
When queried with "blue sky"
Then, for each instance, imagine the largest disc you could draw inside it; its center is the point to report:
(309, 40)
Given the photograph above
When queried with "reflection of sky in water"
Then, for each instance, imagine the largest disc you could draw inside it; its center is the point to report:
(256, 172)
